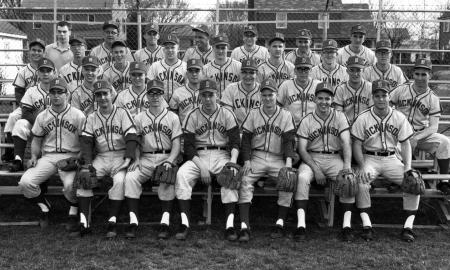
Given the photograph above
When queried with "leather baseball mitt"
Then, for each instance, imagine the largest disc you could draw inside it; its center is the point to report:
(413, 183)
(86, 178)
(287, 179)
(346, 184)
(68, 164)
(164, 175)
(227, 178)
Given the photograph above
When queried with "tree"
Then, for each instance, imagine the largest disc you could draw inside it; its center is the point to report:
(6, 12)
(234, 30)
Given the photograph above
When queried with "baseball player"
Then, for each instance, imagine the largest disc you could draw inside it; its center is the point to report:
(33, 102)
(117, 74)
(329, 70)
(210, 132)
(250, 49)
(323, 134)
(267, 146)
(383, 69)
(152, 52)
(303, 42)
(276, 68)
(104, 50)
(160, 132)
(376, 133)
(185, 98)
(108, 144)
(25, 78)
(297, 95)
(169, 70)
(243, 96)
(202, 50)
(56, 134)
(71, 72)
(356, 47)
(422, 108)
(83, 98)
(223, 69)
(59, 52)
(354, 96)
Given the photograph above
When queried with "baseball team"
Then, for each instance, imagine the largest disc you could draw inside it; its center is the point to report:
(121, 115)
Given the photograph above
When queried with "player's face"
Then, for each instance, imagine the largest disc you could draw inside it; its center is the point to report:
(119, 54)
(303, 45)
(90, 73)
(329, 56)
(421, 76)
(383, 56)
(302, 73)
(63, 34)
(36, 53)
(78, 50)
(45, 74)
(103, 98)
(276, 49)
(201, 39)
(323, 101)
(208, 100)
(354, 74)
(155, 98)
(248, 76)
(268, 98)
(171, 51)
(249, 39)
(138, 79)
(58, 97)
(151, 38)
(220, 51)
(357, 39)
(380, 100)
(193, 75)
(111, 34)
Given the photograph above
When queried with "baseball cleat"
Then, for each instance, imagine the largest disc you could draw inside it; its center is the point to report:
(163, 231)
(367, 234)
(277, 232)
(72, 223)
(244, 235)
(43, 220)
(408, 235)
(111, 230)
(300, 234)
(80, 231)
(183, 233)
(131, 231)
(347, 234)
(230, 234)
(15, 166)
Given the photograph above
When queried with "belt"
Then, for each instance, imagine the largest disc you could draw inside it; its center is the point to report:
(382, 154)
(158, 152)
(326, 152)
(212, 148)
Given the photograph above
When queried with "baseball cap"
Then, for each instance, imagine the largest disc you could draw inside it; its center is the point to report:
(279, 37)
(207, 86)
(324, 87)
(112, 24)
(90, 61)
(356, 61)
(384, 44)
(58, 83)
(202, 29)
(153, 85)
(138, 67)
(303, 62)
(102, 86)
(268, 84)
(37, 41)
(194, 63)
(251, 29)
(249, 64)
(422, 63)
(118, 43)
(170, 39)
(382, 85)
(304, 34)
(220, 39)
(151, 28)
(45, 62)
(329, 44)
(78, 39)
(359, 29)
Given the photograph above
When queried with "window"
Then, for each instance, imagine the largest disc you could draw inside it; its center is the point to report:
(446, 27)
(37, 17)
(91, 17)
(63, 17)
(281, 19)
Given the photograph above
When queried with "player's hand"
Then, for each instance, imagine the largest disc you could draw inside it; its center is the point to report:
(247, 167)
(320, 177)
(135, 165)
(32, 162)
(365, 176)
(167, 164)
(122, 166)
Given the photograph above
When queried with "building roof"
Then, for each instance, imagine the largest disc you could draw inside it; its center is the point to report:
(69, 3)
(298, 4)
(9, 29)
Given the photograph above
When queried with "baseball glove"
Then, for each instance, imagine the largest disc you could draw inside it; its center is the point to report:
(346, 184)
(166, 176)
(68, 164)
(86, 178)
(227, 178)
(287, 179)
(413, 183)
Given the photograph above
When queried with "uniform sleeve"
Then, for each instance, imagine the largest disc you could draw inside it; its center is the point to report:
(19, 81)
(231, 121)
(37, 129)
(176, 127)
(338, 97)
(151, 72)
(226, 97)
(186, 55)
(130, 56)
(88, 128)
(291, 70)
(235, 54)
(393, 99)
(189, 124)
(343, 122)
(27, 100)
(138, 124)
(173, 102)
(261, 74)
(81, 119)
(75, 100)
(127, 123)
(282, 93)
(247, 124)
(406, 130)
(136, 56)
(289, 124)
(435, 106)
(357, 130)
(303, 129)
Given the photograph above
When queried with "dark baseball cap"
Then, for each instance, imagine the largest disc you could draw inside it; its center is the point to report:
(118, 43)
(102, 86)
(109, 24)
(251, 29)
(194, 63)
(329, 44)
(382, 85)
(90, 61)
(356, 61)
(76, 39)
(324, 87)
(58, 83)
(249, 64)
(304, 34)
(37, 41)
(155, 86)
(151, 28)
(422, 63)
(220, 39)
(138, 67)
(45, 62)
(359, 29)
(208, 86)
(268, 84)
(202, 29)
(303, 61)
(384, 44)
(170, 39)
(277, 37)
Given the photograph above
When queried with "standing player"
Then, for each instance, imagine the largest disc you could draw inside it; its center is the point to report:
(243, 96)
(210, 133)
(71, 72)
(223, 69)
(117, 74)
(356, 47)
(297, 95)
(169, 70)
(377, 132)
(160, 132)
(33, 102)
(323, 134)
(108, 144)
(383, 69)
(56, 134)
(59, 52)
(303, 42)
(276, 68)
(267, 146)
(152, 52)
(103, 51)
(202, 50)
(354, 96)
(250, 49)
(83, 97)
(422, 108)
(329, 70)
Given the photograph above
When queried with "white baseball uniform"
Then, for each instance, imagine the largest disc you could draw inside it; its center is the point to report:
(394, 75)
(83, 99)
(281, 73)
(241, 101)
(353, 101)
(173, 75)
(149, 57)
(183, 100)
(105, 55)
(224, 74)
(292, 55)
(72, 75)
(195, 53)
(259, 53)
(344, 53)
(120, 80)
(334, 77)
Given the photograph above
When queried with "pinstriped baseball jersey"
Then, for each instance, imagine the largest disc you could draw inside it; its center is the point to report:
(35, 98)
(195, 53)
(149, 57)
(60, 131)
(394, 75)
(26, 77)
(223, 75)
(72, 75)
(173, 76)
(83, 99)
(157, 131)
(285, 71)
(259, 53)
(109, 130)
(105, 55)
(381, 134)
(292, 55)
(120, 80)
(183, 100)
(334, 77)
(268, 130)
(344, 53)
(241, 101)
(133, 102)
(353, 101)
(323, 135)
(416, 107)
(299, 101)
(210, 130)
